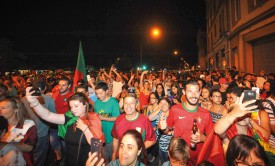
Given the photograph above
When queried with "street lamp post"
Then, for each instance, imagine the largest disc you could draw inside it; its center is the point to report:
(155, 33)
(175, 53)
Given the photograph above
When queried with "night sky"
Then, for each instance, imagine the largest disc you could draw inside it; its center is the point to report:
(46, 34)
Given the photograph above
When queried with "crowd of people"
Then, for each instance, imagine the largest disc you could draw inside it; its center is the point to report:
(139, 118)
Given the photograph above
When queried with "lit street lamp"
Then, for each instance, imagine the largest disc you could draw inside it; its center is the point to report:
(175, 53)
(155, 33)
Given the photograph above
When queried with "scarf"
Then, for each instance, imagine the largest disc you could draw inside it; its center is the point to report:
(93, 122)
(62, 129)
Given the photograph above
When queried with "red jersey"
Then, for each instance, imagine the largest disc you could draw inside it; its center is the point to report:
(142, 124)
(143, 99)
(182, 120)
(61, 102)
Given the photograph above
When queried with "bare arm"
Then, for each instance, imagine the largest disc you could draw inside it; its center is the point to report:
(131, 79)
(23, 147)
(141, 87)
(117, 73)
(264, 126)
(43, 112)
(148, 144)
(153, 116)
(163, 75)
(239, 110)
(111, 119)
(111, 69)
(115, 148)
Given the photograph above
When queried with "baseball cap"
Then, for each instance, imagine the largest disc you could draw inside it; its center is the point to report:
(223, 81)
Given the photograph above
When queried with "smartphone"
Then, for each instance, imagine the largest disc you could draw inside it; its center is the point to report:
(248, 96)
(37, 91)
(96, 146)
(256, 89)
(88, 78)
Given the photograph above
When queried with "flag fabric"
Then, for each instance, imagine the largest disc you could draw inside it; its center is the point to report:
(80, 71)
(212, 150)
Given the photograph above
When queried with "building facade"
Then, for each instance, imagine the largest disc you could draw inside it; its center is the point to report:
(240, 33)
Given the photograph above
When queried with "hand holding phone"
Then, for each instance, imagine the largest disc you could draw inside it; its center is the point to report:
(96, 146)
(37, 91)
(256, 89)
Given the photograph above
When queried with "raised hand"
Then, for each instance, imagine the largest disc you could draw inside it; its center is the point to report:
(241, 109)
(93, 160)
(31, 99)
(81, 125)
(162, 123)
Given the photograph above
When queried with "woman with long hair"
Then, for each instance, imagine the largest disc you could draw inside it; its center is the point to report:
(265, 92)
(153, 107)
(160, 92)
(145, 91)
(244, 150)
(176, 93)
(77, 126)
(21, 131)
(205, 98)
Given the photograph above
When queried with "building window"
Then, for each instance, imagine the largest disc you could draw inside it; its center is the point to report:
(236, 14)
(253, 4)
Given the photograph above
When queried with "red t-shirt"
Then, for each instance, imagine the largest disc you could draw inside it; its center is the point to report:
(182, 121)
(142, 124)
(61, 102)
(143, 99)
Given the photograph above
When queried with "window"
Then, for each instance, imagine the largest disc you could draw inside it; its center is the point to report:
(253, 4)
(235, 8)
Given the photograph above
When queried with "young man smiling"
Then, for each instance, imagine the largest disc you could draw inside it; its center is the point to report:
(181, 117)
(108, 109)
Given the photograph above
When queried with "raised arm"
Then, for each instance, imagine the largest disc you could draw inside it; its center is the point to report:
(117, 74)
(239, 110)
(264, 126)
(131, 79)
(153, 116)
(163, 75)
(43, 112)
(142, 79)
(111, 69)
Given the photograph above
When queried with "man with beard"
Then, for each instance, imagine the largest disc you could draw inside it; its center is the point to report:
(60, 97)
(181, 117)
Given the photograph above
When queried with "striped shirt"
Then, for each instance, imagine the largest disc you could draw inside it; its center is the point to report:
(270, 112)
(164, 140)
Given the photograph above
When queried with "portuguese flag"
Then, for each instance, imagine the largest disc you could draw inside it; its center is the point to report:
(80, 71)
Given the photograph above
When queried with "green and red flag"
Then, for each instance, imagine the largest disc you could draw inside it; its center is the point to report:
(80, 71)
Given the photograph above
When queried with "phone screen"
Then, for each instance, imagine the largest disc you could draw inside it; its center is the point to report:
(88, 77)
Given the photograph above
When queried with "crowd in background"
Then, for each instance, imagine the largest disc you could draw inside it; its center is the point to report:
(139, 117)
